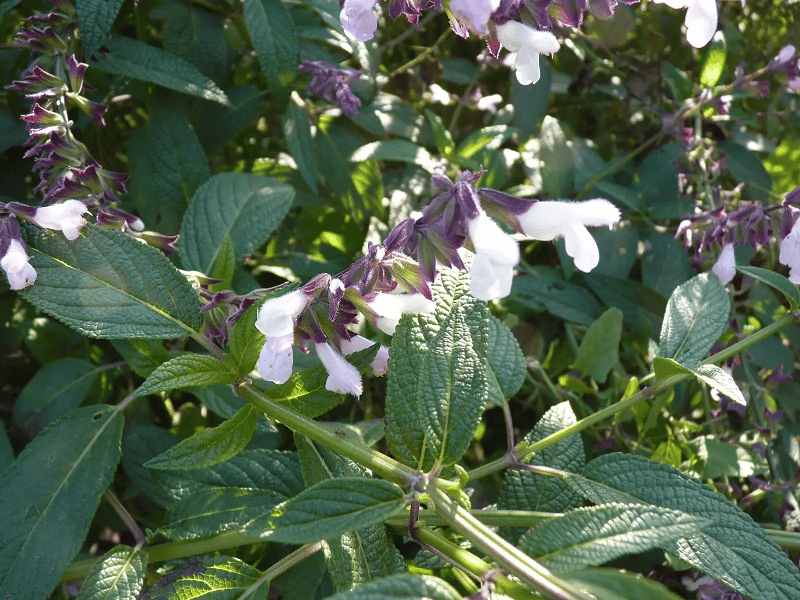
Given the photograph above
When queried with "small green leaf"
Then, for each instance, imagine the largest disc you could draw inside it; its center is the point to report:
(142, 356)
(727, 459)
(713, 61)
(63, 471)
(272, 33)
(485, 138)
(774, 280)
(506, 365)
(118, 575)
(399, 150)
(209, 447)
(187, 370)
(216, 578)
(595, 535)
(599, 350)
(609, 584)
(401, 587)
(95, 18)
(106, 284)
(245, 342)
(331, 508)
(712, 375)
(444, 141)
(563, 299)
(297, 131)
(132, 58)
(697, 314)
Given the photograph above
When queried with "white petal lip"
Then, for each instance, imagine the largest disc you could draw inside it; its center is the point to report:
(18, 270)
(390, 307)
(790, 253)
(489, 281)
(275, 362)
(276, 316)
(496, 255)
(528, 43)
(343, 377)
(701, 19)
(65, 216)
(725, 267)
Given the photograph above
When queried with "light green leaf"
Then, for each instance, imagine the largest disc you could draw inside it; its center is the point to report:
(732, 549)
(401, 587)
(697, 314)
(595, 535)
(187, 370)
(438, 383)
(506, 366)
(774, 280)
(216, 578)
(727, 459)
(297, 131)
(63, 471)
(331, 508)
(599, 350)
(95, 18)
(485, 138)
(224, 266)
(142, 356)
(713, 61)
(211, 446)
(620, 585)
(105, 284)
(247, 208)
(444, 141)
(132, 58)
(711, 375)
(272, 33)
(119, 575)
(399, 150)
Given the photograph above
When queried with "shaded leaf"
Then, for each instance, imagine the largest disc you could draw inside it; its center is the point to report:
(95, 18)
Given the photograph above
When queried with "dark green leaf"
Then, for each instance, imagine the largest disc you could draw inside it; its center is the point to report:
(599, 350)
(297, 131)
(506, 365)
(335, 170)
(531, 102)
(401, 587)
(95, 18)
(774, 280)
(746, 166)
(272, 33)
(187, 370)
(222, 400)
(566, 300)
(119, 575)
(142, 356)
(620, 585)
(665, 265)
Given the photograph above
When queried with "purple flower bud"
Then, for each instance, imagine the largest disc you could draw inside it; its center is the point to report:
(77, 70)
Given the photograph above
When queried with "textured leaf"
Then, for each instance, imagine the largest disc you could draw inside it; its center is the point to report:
(774, 280)
(245, 342)
(401, 587)
(732, 549)
(297, 130)
(599, 350)
(506, 366)
(523, 490)
(712, 375)
(119, 575)
(211, 446)
(95, 18)
(598, 534)
(187, 370)
(609, 584)
(132, 58)
(697, 314)
(217, 578)
(142, 356)
(331, 508)
(438, 384)
(399, 150)
(105, 284)
(48, 497)
(272, 33)
(247, 208)
(167, 165)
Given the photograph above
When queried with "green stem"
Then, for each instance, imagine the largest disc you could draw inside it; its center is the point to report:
(379, 463)
(789, 540)
(504, 554)
(421, 56)
(491, 518)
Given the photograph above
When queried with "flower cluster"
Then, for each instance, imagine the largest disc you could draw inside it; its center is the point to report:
(326, 81)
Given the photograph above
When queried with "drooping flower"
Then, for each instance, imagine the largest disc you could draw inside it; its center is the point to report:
(343, 377)
(528, 43)
(725, 267)
(389, 307)
(474, 14)
(276, 316)
(790, 253)
(356, 343)
(358, 19)
(66, 216)
(547, 220)
(701, 19)
(15, 263)
(275, 361)
(496, 255)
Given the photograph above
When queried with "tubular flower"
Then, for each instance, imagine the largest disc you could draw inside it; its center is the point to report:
(276, 316)
(548, 220)
(343, 377)
(496, 255)
(275, 361)
(66, 216)
(388, 308)
(15, 263)
(701, 19)
(725, 267)
(358, 19)
(528, 43)
(790, 253)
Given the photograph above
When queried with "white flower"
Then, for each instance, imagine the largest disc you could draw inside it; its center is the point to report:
(65, 216)
(388, 308)
(548, 220)
(356, 343)
(528, 43)
(276, 361)
(276, 316)
(790, 253)
(496, 255)
(343, 377)
(725, 267)
(358, 19)
(701, 19)
(474, 14)
(15, 263)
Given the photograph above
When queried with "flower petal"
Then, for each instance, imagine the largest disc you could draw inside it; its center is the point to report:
(275, 362)
(581, 247)
(343, 377)
(701, 22)
(276, 316)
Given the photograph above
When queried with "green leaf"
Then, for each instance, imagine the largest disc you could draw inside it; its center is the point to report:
(774, 280)
(398, 150)
(95, 18)
(224, 266)
(221, 400)
(523, 490)
(712, 375)
(187, 370)
(247, 208)
(245, 342)
(713, 61)
(302, 581)
(697, 314)
(557, 161)
(565, 300)
(599, 350)
(297, 131)
(595, 535)
(57, 388)
(335, 170)
(733, 549)
(665, 265)
(209, 447)
(119, 575)
(506, 365)
(438, 382)
(132, 58)
(609, 584)
(485, 138)
(642, 308)
(401, 587)
(726, 459)
(6, 451)
(272, 32)
(167, 165)
(217, 578)
(444, 141)
(105, 284)
(142, 356)
(48, 497)
(331, 508)
(746, 166)
(531, 102)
